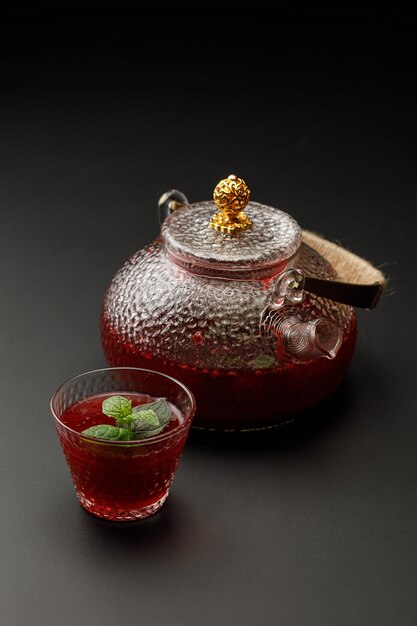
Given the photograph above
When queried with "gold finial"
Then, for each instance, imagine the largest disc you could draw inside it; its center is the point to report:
(231, 195)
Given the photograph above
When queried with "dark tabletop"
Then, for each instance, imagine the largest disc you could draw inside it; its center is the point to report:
(101, 111)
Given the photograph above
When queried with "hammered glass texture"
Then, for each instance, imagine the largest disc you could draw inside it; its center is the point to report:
(170, 314)
(107, 474)
(273, 237)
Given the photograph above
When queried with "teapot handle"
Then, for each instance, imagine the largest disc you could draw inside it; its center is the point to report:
(170, 201)
(362, 296)
(360, 284)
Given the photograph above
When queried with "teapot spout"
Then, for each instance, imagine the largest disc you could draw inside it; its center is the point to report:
(308, 340)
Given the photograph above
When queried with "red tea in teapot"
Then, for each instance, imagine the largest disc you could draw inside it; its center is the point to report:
(230, 304)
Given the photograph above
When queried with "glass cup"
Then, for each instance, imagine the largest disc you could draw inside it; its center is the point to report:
(121, 480)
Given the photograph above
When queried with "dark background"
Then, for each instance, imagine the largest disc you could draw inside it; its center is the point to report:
(102, 109)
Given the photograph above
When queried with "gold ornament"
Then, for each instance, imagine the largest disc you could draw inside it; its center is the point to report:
(231, 195)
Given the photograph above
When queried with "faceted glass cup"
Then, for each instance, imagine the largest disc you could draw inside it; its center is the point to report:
(122, 480)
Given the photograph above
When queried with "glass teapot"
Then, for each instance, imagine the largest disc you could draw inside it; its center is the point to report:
(254, 315)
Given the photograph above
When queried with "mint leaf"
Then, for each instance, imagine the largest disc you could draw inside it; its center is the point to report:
(142, 427)
(160, 407)
(149, 416)
(117, 407)
(111, 433)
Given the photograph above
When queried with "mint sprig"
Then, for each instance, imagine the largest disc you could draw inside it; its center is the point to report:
(136, 422)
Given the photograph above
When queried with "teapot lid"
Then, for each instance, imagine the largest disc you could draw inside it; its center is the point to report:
(262, 237)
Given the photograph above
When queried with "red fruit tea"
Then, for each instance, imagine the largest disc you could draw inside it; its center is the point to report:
(120, 480)
(243, 399)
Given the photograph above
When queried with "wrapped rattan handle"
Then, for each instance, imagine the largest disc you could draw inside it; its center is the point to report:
(360, 285)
